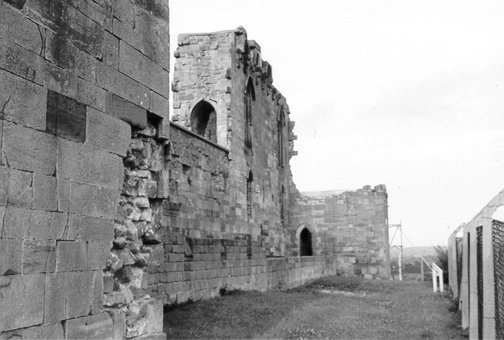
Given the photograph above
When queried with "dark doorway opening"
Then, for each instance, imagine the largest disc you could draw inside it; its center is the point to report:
(305, 243)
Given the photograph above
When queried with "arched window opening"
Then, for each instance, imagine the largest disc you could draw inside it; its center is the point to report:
(280, 151)
(250, 181)
(204, 120)
(305, 243)
(282, 205)
(249, 98)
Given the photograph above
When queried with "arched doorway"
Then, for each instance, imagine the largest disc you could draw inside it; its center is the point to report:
(305, 243)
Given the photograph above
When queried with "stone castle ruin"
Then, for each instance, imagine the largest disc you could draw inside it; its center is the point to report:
(109, 210)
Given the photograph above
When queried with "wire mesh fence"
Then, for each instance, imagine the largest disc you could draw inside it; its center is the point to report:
(498, 257)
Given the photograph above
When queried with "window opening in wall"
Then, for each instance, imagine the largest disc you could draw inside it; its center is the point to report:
(250, 180)
(204, 120)
(282, 205)
(249, 98)
(305, 243)
(280, 124)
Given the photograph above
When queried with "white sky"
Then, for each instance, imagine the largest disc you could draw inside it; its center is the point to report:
(405, 93)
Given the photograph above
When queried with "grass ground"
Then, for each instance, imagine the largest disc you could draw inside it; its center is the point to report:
(328, 308)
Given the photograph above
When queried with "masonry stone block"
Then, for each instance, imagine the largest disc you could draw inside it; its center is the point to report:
(24, 296)
(66, 117)
(15, 222)
(70, 24)
(97, 254)
(92, 200)
(139, 67)
(107, 133)
(127, 111)
(89, 228)
(28, 149)
(154, 316)
(122, 85)
(10, 256)
(22, 101)
(80, 163)
(4, 184)
(39, 256)
(44, 192)
(90, 327)
(66, 55)
(52, 331)
(43, 225)
(22, 62)
(97, 292)
(63, 194)
(68, 295)
(111, 50)
(20, 189)
(71, 256)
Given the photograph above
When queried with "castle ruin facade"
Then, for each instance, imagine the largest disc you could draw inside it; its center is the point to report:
(109, 210)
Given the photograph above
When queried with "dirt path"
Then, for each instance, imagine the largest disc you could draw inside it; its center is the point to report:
(330, 308)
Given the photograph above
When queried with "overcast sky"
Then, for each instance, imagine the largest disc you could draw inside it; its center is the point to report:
(405, 93)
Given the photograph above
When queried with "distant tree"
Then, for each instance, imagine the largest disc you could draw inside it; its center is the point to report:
(441, 260)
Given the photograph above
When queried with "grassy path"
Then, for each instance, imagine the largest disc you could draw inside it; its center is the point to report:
(329, 308)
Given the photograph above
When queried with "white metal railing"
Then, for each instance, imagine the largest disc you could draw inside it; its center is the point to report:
(437, 278)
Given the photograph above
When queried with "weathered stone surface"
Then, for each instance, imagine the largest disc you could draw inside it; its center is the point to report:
(66, 55)
(45, 225)
(97, 290)
(4, 183)
(66, 117)
(68, 295)
(10, 257)
(89, 228)
(71, 256)
(79, 163)
(123, 86)
(20, 190)
(70, 24)
(119, 322)
(22, 101)
(127, 111)
(136, 65)
(63, 193)
(107, 133)
(39, 256)
(97, 254)
(27, 149)
(90, 327)
(93, 201)
(45, 193)
(148, 34)
(24, 296)
(22, 62)
(47, 331)
(15, 222)
(154, 316)
(111, 50)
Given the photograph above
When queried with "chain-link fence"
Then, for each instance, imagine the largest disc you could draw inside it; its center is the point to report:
(498, 257)
(479, 282)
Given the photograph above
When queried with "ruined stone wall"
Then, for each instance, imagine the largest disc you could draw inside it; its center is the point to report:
(74, 76)
(225, 69)
(352, 225)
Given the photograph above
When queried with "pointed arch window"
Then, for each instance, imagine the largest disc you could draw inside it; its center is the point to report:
(249, 99)
(250, 182)
(282, 205)
(204, 120)
(280, 135)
